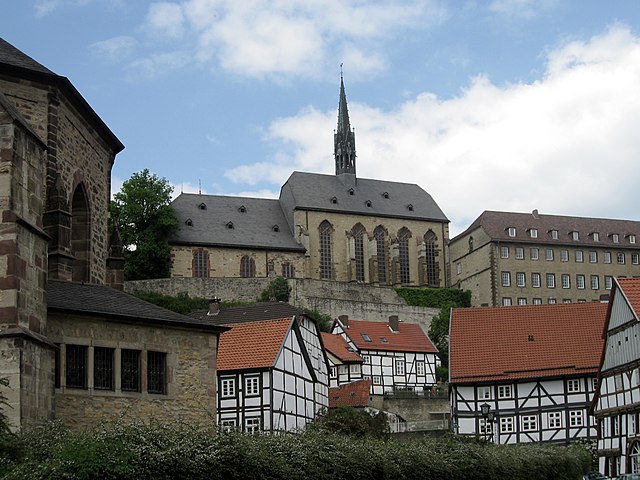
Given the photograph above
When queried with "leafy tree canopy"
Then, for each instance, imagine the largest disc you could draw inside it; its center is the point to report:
(142, 212)
(353, 422)
(278, 290)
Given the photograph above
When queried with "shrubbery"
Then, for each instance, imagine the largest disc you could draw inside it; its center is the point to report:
(160, 452)
(435, 297)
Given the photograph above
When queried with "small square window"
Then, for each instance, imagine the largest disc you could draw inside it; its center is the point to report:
(506, 424)
(228, 425)
(484, 393)
(522, 301)
(529, 423)
(537, 301)
(377, 380)
(506, 301)
(504, 391)
(575, 418)
(573, 385)
(552, 301)
(252, 424)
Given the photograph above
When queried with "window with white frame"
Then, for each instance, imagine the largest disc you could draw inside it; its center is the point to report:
(537, 301)
(564, 255)
(252, 424)
(399, 366)
(618, 382)
(484, 392)
(344, 369)
(632, 238)
(333, 372)
(595, 282)
(632, 424)
(506, 424)
(505, 391)
(520, 279)
(548, 254)
(554, 234)
(228, 387)
(615, 425)
(485, 427)
(573, 385)
(635, 258)
(554, 419)
(552, 300)
(551, 280)
(367, 359)
(593, 256)
(506, 301)
(519, 253)
(606, 257)
(376, 380)
(228, 425)
(533, 232)
(252, 386)
(420, 370)
(596, 236)
(534, 253)
(522, 301)
(566, 300)
(529, 423)
(579, 256)
(504, 252)
(615, 238)
(511, 231)
(506, 279)
(566, 280)
(535, 280)
(620, 258)
(594, 383)
(576, 418)
(354, 368)
(580, 282)
(575, 235)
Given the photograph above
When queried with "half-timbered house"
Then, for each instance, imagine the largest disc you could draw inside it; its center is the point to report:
(616, 405)
(345, 364)
(526, 373)
(397, 355)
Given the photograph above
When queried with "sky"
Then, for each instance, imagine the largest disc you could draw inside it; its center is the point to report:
(508, 105)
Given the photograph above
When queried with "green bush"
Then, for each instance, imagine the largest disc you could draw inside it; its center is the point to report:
(435, 297)
(182, 302)
(322, 319)
(278, 290)
(353, 422)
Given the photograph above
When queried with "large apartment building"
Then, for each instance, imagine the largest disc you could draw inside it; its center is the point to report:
(507, 258)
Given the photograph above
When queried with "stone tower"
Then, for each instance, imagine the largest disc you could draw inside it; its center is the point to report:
(344, 139)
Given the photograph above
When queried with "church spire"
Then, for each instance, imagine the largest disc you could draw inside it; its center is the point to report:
(344, 139)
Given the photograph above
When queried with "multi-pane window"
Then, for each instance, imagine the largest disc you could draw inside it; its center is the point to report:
(575, 235)
(358, 236)
(615, 425)
(551, 280)
(485, 427)
(506, 279)
(506, 301)
(506, 424)
(420, 370)
(326, 232)
(533, 233)
(252, 385)
(607, 257)
(130, 370)
(399, 366)
(200, 263)
(157, 372)
(504, 391)
(554, 234)
(554, 419)
(552, 300)
(529, 423)
(596, 236)
(615, 238)
(484, 392)
(377, 380)
(548, 254)
(564, 255)
(579, 256)
(381, 250)
(593, 256)
(608, 281)
(247, 267)
(635, 258)
(354, 368)
(620, 258)
(534, 252)
(595, 283)
(618, 382)
(228, 387)
(366, 359)
(537, 301)
(519, 253)
(573, 385)
(76, 360)
(576, 418)
(522, 301)
(511, 231)
(566, 280)
(580, 282)
(228, 425)
(520, 279)
(430, 243)
(504, 252)
(632, 238)
(252, 424)
(566, 300)
(535, 280)
(288, 270)
(103, 372)
(403, 253)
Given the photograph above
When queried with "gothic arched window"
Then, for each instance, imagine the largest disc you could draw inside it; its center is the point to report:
(326, 233)
(80, 234)
(358, 233)
(403, 252)
(380, 235)
(200, 263)
(430, 242)
(247, 267)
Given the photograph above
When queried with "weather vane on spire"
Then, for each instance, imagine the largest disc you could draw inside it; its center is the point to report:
(340, 69)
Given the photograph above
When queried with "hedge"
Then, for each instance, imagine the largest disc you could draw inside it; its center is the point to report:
(435, 297)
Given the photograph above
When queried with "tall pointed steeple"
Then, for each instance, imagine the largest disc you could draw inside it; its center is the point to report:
(344, 139)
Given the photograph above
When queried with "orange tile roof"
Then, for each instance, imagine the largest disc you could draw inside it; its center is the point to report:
(631, 290)
(354, 394)
(409, 338)
(338, 346)
(525, 341)
(252, 345)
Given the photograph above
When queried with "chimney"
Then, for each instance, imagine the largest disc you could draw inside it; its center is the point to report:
(214, 306)
(535, 214)
(393, 323)
(344, 320)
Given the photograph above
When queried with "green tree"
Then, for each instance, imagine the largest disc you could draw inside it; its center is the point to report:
(439, 335)
(353, 422)
(142, 212)
(278, 290)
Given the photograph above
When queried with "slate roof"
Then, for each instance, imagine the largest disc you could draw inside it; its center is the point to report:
(249, 313)
(496, 224)
(103, 301)
(314, 191)
(338, 347)
(526, 341)
(409, 338)
(252, 345)
(354, 394)
(252, 228)
(10, 55)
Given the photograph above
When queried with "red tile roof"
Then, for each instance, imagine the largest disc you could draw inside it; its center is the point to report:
(631, 290)
(252, 345)
(338, 347)
(409, 338)
(525, 341)
(354, 394)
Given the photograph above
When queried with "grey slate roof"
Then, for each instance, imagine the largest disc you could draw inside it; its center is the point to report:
(313, 191)
(250, 313)
(496, 225)
(10, 55)
(104, 301)
(253, 228)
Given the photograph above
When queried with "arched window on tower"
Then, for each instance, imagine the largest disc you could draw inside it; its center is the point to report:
(358, 233)
(403, 252)
(80, 234)
(430, 242)
(200, 266)
(247, 267)
(381, 251)
(326, 233)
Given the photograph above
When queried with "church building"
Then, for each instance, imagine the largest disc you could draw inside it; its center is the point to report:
(326, 227)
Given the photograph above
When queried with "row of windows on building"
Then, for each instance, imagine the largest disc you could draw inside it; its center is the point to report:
(104, 375)
(531, 423)
(251, 386)
(574, 235)
(251, 425)
(550, 280)
(247, 266)
(506, 392)
(399, 368)
(579, 256)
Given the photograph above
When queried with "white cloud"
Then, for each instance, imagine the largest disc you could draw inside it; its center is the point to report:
(525, 9)
(114, 49)
(564, 144)
(156, 64)
(166, 20)
(45, 7)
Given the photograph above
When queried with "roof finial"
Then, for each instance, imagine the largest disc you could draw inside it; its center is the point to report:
(199, 187)
(340, 70)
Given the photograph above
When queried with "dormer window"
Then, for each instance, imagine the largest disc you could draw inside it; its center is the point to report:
(595, 236)
(410, 207)
(554, 234)
(511, 231)
(615, 238)
(575, 235)
(368, 203)
(188, 222)
(632, 238)
(202, 206)
(242, 209)
(275, 228)
(230, 225)
(385, 195)
(351, 191)
(533, 232)
(334, 200)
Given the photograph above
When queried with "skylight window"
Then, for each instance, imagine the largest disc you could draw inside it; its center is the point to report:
(384, 340)
(366, 337)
